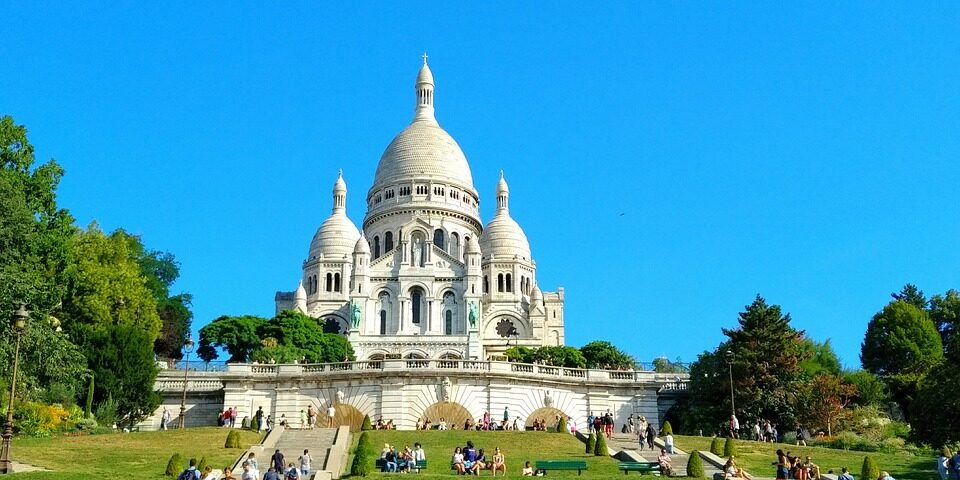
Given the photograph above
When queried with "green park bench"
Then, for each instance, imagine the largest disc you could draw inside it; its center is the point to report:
(642, 467)
(543, 466)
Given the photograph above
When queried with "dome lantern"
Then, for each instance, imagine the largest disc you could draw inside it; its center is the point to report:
(424, 88)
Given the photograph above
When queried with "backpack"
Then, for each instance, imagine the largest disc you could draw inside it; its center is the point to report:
(188, 475)
(292, 474)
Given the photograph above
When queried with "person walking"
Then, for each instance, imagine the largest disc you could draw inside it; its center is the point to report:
(305, 460)
(259, 416)
(651, 435)
(277, 461)
(165, 418)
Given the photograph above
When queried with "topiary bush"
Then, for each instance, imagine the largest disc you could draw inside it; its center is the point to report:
(716, 446)
(870, 469)
(600, 449)
(591, 443)
(254, 426)
(729, 448)
(233, 439)
(562, 425)
(695, 465)
(175, 465)
(362, 457)
(366, 425)
(667, 428)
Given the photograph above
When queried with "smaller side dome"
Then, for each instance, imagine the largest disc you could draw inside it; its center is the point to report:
(536, 294)
(362, 247)
(472, 246)
(337, 235)
(503, 237)
(301, 293)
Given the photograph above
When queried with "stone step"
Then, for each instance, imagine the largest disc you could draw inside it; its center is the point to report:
(294, 441)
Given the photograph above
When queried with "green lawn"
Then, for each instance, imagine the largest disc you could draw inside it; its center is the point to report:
(138, 455)
(517, 448)
(757, 457)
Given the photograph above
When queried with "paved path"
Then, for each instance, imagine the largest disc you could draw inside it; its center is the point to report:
(23, 467)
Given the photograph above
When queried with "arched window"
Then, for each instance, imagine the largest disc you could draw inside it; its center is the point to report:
(416, 298)
(455, 245)
(387, 242)
(500, 282)
(438, 238)
(329, 285)
(486, 284)
(336, 283)
(509, 283)
(383, 322)
(448, 323)
(376, 247)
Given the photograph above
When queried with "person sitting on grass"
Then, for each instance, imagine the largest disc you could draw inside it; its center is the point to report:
(482, 462)
(498, 462)
(813, 470)
(845, 474)
(457, 462)
(527, 470)
(666, 465)
(469, 456)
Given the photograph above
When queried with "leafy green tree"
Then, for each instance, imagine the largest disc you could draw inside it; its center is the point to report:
(822, 400)
(664, 365)
(900, 346)
(935, 412)
(707, 406)
(303, 336)
(945, 314)
(601, 354)
(767, 353)
(560, 356)
(870, 389)
(520, 354)
(237, 335)
(821, 359)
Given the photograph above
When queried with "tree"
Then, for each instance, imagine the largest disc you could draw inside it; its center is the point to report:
(767, 353)
(821, 358)
(900, 346)
(822, 401)
(664, 365)
(302, 336)
(936, 410)
(912, 295)
(709, 394)
(560, 356)
(870, 389)
(945, 314)
(238, 335)
(600, 354)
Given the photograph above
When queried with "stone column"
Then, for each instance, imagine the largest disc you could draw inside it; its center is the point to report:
(403, 315)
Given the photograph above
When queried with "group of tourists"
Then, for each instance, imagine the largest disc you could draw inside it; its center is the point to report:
(404, 460)
(794, 467)
(948, 465)
(469, 460)
(278, 469)
(601, 424)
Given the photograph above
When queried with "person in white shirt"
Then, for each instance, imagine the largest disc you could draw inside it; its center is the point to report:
(331, 412)
(668, 442)
(418, 453)
(305, 463)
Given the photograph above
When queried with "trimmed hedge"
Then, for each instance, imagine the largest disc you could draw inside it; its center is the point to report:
(367, 425)
(716, 446)
(730, 448)
(562, 425)
(667, 428)
(600, 449)
(363, 457)
(870, 469)
(233, 439)
(175, 465)
(591, 443)
(695, 465)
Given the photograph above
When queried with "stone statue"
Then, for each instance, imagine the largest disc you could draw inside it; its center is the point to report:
(445, 386)
(340, 396)
(547, 399)
(355, 314)
(473, 315)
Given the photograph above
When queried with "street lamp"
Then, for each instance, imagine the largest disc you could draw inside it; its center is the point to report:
(733, 409)
(20, 318)
(187, 348)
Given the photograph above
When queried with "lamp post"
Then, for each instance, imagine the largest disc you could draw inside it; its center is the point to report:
(187, 348)
(20, 318)
(733, 409)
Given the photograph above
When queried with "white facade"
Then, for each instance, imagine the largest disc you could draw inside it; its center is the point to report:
(425, 278)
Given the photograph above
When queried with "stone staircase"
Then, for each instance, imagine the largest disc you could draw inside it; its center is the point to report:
(628, 449)
(294, 441)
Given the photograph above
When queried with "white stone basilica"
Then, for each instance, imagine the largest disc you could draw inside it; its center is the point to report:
(425, 279)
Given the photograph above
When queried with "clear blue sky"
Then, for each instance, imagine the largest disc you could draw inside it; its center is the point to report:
(668, 161)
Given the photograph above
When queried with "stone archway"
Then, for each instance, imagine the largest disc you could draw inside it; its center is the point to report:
(452, 412)
(346, 415)
(549, 415)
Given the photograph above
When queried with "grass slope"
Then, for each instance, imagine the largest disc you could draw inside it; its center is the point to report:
(757, 457)
(132, 456)
(517, 448)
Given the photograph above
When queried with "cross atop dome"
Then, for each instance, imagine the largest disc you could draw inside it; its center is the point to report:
(424, 57)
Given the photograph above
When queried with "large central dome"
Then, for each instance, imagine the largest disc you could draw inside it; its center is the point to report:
(423, 150)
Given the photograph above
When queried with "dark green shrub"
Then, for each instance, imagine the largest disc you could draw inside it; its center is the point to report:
(729, 448)
(175, 465)
(591, 443)
(716, 446)
(233, 439)
(870, 469)
(600, 449)
(667, 428)
(254, 426)
(88, 408)
(695, 465)
(562, 425)
(362, 457)
(366, 425)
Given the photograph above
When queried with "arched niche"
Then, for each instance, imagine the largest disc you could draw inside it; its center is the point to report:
(550, 415)
(452, 412)
(345, 414)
